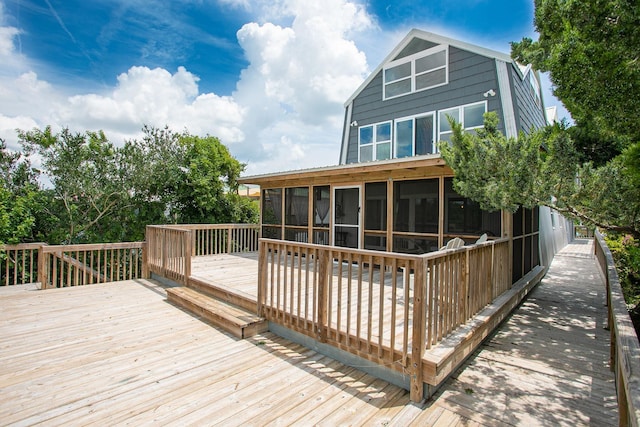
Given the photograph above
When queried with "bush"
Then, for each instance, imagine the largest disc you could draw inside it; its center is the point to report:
(626, 254)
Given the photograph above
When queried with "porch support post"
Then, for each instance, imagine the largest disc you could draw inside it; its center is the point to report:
(419, 331)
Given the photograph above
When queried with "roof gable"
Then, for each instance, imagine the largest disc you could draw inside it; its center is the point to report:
(417, 41)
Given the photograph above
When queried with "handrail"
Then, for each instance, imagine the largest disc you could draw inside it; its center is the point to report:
(169, 252)
(171, 246)
(625, 348)
(84, 264)
(20, 263)
(386, 307)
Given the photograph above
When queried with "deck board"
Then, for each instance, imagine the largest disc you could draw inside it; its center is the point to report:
(118, 353)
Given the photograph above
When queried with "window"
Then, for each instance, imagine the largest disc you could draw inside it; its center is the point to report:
(470, 116)
(534, 88)
(375, 142)
(421, 71)
(415, 136)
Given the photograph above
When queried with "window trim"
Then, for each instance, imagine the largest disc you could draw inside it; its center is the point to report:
(413, 133)
(374, 144)
(412, 77)
(460, 109)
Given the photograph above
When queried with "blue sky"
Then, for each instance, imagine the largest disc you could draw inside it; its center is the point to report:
(269, 77)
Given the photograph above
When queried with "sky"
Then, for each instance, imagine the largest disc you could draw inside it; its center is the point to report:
(267, 77)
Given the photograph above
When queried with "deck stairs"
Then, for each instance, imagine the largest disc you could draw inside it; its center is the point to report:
(227, 310)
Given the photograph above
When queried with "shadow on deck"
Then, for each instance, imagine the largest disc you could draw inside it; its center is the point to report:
(99, 354)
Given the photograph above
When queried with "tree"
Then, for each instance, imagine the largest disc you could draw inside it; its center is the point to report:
(591, 49)
(543, 168)
(182, 178)
(86, 173)
(19, 197)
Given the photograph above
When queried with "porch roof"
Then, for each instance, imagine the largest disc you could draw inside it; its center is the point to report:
(409, 167)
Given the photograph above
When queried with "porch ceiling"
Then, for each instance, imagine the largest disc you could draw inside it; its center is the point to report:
(411, 167)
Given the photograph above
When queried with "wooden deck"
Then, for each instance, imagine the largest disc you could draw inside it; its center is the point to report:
(119, 354)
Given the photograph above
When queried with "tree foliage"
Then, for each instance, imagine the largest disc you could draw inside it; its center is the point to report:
(591, 49)
(19, 196)
(543, 168)
(99, 192)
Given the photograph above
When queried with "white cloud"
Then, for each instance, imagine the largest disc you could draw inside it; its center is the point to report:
(286, 111)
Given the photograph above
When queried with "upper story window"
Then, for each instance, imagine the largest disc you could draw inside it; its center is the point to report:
(415, 136)
(470, 116)
(374, 142)
(421, 71)
(534, 88)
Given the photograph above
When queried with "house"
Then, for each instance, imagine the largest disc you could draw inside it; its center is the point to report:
(392, 190)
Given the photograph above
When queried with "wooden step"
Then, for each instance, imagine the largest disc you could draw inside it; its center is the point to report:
(237, 320)
(234, 296)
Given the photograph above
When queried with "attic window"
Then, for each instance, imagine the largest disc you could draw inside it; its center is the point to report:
(421, 71)
(534, 88)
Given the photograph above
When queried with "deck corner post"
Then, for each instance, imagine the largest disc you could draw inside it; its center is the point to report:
(262, 277)
(145, 261)
(42, 267)
(323, 295)
(187, 255)
(419, 331)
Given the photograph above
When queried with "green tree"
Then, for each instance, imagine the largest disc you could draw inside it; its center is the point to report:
(88, 189)
(19, 197)
(591, 49)
(543, 168)
(182, 178)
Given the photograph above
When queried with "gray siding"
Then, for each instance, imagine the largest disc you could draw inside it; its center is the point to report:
(470, 75)
(528, 114)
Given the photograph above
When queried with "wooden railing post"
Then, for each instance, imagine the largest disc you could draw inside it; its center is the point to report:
(262, 277)
(145, 261)
(42, 268)
(419, 331)
(323, 294)
(229, 239)
(187, 239)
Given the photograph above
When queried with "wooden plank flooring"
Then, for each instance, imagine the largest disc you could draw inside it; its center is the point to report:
(119, 354)
(548, 363)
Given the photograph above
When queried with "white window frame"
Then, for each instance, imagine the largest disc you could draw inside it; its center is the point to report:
(412, 59)
(413, 133)
(534, 88)
(460, 110)
(374, 142)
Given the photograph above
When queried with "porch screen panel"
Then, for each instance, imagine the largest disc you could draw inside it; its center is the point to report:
(297, 214)
(465, 219)
(415, 215)
(321, 214)
(272, 213)
(375, 215)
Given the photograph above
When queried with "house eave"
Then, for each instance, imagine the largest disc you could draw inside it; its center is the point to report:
(353, 171)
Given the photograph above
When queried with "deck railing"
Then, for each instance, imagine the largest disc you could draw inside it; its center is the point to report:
(169, 252)
(385, 307)
(172, 246)
(19, 263)
(213, 239)
(76, 265)
(625, 349)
